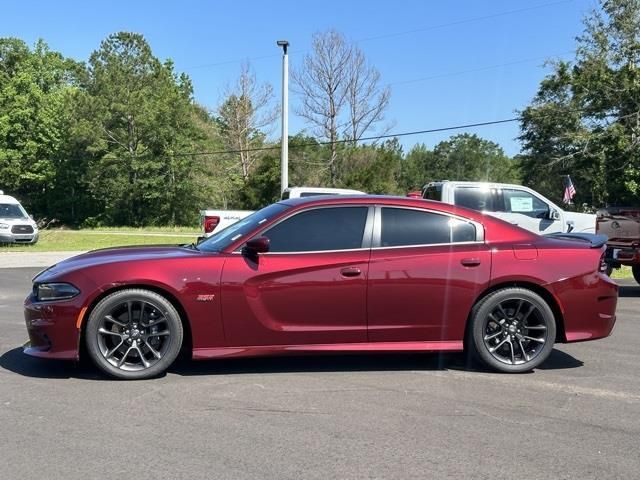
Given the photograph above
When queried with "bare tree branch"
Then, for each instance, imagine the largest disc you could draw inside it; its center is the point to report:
(246, 111)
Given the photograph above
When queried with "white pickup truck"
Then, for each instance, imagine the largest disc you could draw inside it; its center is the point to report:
(216, 220)
(513, 203)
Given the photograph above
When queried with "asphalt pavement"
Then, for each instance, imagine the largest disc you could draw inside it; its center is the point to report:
(371, 416)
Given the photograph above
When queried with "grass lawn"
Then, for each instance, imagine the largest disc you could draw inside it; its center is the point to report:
(622, 272)
(91, 239)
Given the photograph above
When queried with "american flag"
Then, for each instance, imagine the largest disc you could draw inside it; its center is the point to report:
(569, 190)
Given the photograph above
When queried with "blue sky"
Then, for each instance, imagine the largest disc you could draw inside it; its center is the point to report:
(448, 63)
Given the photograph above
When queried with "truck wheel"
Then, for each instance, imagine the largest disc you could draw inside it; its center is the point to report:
(636, 272)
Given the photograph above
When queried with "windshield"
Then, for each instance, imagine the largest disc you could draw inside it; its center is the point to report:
(12, 210)
(219, 241)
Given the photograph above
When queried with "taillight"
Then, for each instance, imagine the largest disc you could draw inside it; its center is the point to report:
(210, 223)
(604, 267)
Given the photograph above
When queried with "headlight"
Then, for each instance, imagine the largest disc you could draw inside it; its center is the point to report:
(4, 226)
(45, 292)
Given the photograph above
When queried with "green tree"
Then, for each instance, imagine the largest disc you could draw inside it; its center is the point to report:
(373, 169)
(34, 88)
(263, 186)
(413, 168)
(469, 157)
(585, 118)
(138, 113)
(462, 157)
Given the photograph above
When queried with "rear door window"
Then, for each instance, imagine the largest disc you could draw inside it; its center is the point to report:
(475, 198)
(405, 227)
(433, 193)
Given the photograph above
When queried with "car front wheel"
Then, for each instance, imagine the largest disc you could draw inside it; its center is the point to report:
(134, 334)
(512, 330)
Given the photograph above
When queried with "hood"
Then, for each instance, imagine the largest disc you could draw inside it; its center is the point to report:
(121, 254)
(581, 222)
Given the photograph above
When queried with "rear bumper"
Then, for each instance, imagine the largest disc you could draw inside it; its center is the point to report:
(52, 329)
(588, 305)
(617, 255)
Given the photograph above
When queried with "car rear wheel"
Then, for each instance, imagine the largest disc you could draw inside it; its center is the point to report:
(134, 334)
(512, 330)
(636, 272)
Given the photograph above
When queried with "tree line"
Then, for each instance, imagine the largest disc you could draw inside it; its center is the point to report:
(120, 140)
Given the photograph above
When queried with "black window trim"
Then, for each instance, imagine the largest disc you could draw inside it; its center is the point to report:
(367, 240)
(377, 228)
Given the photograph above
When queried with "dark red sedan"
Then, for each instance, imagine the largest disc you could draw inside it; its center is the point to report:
(328, 274)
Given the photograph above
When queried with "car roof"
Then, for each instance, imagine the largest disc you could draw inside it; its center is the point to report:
(8, 199)
(391, 200)
(323, 189)
(469, 183)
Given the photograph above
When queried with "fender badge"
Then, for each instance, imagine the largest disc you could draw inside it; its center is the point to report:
(205, 298)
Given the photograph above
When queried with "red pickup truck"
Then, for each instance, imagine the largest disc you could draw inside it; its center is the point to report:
(622, 226)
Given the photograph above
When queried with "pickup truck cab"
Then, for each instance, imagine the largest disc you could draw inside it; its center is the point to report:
(213, 221)
(16, 226)
(515, 204)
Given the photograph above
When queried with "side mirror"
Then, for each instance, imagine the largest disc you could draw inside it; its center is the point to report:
(554, 215)
(256, 245)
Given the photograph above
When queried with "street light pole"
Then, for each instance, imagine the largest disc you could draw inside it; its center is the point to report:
(284, 139)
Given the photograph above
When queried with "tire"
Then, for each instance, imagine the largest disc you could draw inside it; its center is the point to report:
(635, 269)
(609, 270)
(512, 330)
(134, 334)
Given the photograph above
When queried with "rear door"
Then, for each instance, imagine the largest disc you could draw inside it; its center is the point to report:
(426, 270)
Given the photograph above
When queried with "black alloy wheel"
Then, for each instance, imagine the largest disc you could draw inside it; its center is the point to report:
(134, 334)
(513, 330)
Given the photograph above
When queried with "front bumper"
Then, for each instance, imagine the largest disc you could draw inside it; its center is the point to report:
(8, 237)
(53, 329)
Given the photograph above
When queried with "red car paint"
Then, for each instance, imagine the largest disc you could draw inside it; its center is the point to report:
(370, 299)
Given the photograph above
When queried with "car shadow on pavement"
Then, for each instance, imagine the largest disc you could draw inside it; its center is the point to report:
(383, 362)
(17, 362)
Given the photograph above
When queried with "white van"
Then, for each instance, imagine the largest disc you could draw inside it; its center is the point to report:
(513, 203)
(16, 226)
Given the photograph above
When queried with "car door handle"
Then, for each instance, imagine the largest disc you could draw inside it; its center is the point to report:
(470, 262)
(350, 272)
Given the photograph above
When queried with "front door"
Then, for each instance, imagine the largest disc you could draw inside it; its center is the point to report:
(310, 288)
